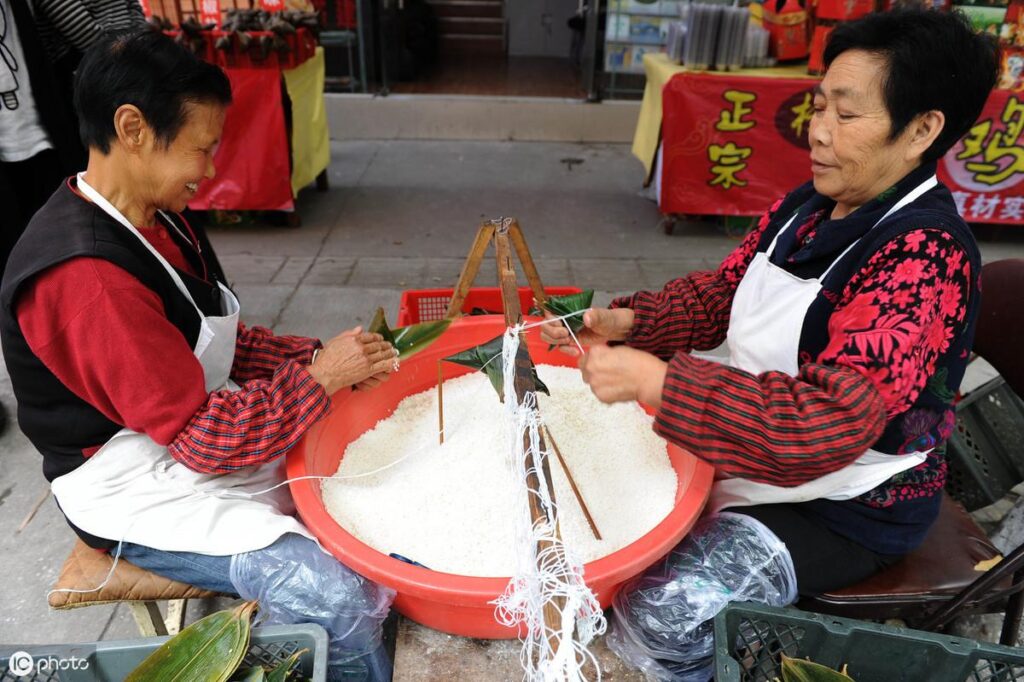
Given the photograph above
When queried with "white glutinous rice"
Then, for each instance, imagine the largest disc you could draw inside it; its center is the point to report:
(449, 507)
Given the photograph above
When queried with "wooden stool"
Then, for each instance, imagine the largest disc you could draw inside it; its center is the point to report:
(85, 568)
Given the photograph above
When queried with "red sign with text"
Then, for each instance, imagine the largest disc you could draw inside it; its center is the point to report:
(734, 144)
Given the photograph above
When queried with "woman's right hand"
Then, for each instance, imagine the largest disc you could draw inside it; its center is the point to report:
(600, 325)
(351, 358)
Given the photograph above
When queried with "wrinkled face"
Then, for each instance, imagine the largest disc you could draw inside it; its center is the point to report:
(852, 158)
(173, 172)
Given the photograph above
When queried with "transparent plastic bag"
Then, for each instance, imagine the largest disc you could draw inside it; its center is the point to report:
(297, 582)
(663, 620)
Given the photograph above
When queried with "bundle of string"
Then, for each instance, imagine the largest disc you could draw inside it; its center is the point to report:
(548, 577)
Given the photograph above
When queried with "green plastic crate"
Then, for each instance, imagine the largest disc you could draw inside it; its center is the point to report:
(112, 661)
(986, 451)
(751, 638)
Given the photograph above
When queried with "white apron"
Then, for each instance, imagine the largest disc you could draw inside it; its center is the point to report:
(133, 490)
(767, 317)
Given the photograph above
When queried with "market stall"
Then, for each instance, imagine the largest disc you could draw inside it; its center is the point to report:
(275, 136)
(732, 143)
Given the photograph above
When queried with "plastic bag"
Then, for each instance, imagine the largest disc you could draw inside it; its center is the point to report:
(663, 620)
(297, 582)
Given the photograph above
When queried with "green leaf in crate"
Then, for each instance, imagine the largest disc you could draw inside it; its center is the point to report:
(257, 674)
(284, 668)
(408, 340)
(803, 670)
(569, 304)
(487, 358)
(209, 650)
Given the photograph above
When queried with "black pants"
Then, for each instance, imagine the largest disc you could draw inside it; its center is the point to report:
(823, 559)
(24, 187)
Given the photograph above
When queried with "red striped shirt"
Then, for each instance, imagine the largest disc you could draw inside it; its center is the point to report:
(104, 335)
(783, 430)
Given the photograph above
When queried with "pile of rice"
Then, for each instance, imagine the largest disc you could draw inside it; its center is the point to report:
(450, 507)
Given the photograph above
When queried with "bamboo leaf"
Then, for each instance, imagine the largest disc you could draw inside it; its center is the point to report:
(209, 650)
(379, 325)
(569, 304)
(281, 671)
(411, 339)
(414, 338)
(257, 674)
(803, 670)
(487, 358)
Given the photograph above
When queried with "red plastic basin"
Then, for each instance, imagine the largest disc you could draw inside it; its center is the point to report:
(457, 604)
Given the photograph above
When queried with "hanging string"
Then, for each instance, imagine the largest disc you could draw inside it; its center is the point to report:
(552, 576)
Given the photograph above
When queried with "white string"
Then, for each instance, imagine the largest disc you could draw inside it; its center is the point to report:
(110, 573)
(559, 319)
(547, 571)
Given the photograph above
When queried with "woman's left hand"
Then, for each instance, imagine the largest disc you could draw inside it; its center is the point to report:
(621, 373)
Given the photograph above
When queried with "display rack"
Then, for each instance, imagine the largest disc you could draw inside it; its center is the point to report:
(633, 28)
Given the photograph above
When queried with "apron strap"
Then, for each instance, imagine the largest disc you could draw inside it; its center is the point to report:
(911, 196)
(110, 210)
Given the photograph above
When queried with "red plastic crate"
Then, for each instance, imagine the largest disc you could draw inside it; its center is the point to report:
(423, 305)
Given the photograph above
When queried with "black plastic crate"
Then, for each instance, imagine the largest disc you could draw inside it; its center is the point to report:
(751, 638)
(986, 451)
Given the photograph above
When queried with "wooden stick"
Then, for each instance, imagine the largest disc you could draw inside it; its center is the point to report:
(440, 404)
(35, 509)
(524, 384)
(572, 484)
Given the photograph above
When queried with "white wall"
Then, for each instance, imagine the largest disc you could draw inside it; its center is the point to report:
(537, 28)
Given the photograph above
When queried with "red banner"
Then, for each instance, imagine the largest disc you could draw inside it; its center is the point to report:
(732, 145)
(147, 10)
(272, 5)
(253, 170)
(209, 12)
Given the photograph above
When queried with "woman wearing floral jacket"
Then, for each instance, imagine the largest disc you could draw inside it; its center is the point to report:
(848, 314)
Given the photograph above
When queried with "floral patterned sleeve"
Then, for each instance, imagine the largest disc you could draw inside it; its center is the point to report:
(899, 313)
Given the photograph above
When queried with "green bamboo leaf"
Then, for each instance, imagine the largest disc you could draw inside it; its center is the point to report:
(569, 304)
(414, 338)
(487, 358)
(281, 671)
(257, 674)
(407, 340)
(209, 650)
(379, 325)
(803, 670)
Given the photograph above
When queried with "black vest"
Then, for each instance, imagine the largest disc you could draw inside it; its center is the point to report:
(57, 422)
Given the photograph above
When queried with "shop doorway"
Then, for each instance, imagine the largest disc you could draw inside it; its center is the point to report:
(513, 48)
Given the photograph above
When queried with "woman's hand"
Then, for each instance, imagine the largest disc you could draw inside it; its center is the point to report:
(353, 358)
(600, 325)
(620, 374)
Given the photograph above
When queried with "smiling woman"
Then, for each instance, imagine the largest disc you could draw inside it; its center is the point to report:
(136, 380)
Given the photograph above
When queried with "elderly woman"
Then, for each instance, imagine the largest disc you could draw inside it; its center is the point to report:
(848, 314)
(160, 417)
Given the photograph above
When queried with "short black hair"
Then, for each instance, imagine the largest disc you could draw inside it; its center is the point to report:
(935, 61)
(149, 70)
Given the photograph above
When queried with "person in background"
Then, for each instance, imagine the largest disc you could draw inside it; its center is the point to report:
(39, 144)
(848, 314)
(162, 420)
(70, 27)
